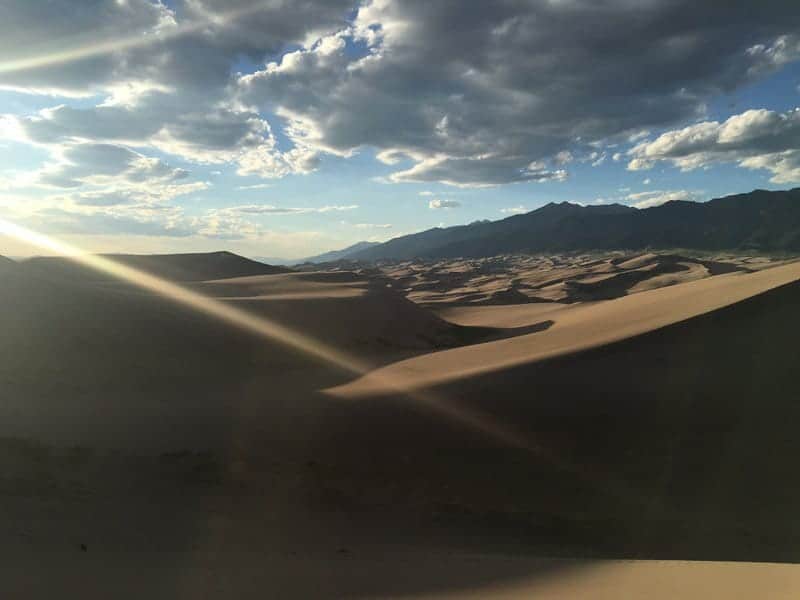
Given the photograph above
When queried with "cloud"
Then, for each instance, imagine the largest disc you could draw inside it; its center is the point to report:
(257, 186)
(504, 93)
(372, 225)
(563, 158)
(754, 139)
(99, 164)
(474, 97)
(438, 203)
(268, 209)
(479, 172)
(164, 76)
(658, 197)
(514, 210)
(134, 221)
(149, 195)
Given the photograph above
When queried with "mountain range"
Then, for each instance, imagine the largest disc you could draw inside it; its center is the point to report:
(760, 220)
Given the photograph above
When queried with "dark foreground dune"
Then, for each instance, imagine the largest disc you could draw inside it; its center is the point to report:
(176, 267)
(150, 451)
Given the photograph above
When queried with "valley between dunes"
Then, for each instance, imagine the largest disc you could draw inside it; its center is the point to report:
(574, 449)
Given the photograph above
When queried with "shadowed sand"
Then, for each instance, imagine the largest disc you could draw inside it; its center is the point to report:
(150, 451)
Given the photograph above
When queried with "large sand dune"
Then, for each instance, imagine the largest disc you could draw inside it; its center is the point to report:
(192, 459)
(85, 361)
(177, 267)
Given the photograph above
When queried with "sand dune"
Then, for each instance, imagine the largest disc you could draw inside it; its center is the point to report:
(87, 361)
(662, 424)
(656, 580)
(175, 267)
(575, 330)
(566, 278)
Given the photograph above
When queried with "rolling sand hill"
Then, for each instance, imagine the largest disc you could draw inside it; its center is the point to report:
(565, 278)
(129, 357)
(149, 450)
(175, 267)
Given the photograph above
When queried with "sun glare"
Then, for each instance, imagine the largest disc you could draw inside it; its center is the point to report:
(138, 40)
(268, 329)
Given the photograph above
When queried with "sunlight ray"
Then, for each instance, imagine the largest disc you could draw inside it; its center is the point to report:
(141, 39)
(271, 330)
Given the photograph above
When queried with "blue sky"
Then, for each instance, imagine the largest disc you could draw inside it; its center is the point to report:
(149, 127)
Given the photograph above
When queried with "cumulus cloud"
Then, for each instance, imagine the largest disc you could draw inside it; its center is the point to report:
(754, 139)
(98, 164)
(475, 97)
(438, 203)
(658, 197)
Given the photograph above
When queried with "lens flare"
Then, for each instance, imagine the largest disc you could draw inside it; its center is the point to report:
(268, 329)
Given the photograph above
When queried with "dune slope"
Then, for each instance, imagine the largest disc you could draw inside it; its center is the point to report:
(676, 442)
(175, 267)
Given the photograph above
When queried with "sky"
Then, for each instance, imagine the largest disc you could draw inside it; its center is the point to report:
(277, 128)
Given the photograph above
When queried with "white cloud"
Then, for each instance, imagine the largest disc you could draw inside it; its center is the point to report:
(439, 203)
(754, 139)
(514, 210)
(268, 209)
(563, 158)
(372, 225)
(257, 186)
(658, 197)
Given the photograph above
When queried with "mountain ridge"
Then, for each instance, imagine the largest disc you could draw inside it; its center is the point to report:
(760, 220)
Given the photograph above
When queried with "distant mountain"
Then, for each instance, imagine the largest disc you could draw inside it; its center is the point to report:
(339, 254)
(175, 267)
(757, 221)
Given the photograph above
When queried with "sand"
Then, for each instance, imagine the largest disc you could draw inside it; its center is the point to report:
(576, 330)
(566, 278)
(149, 451)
